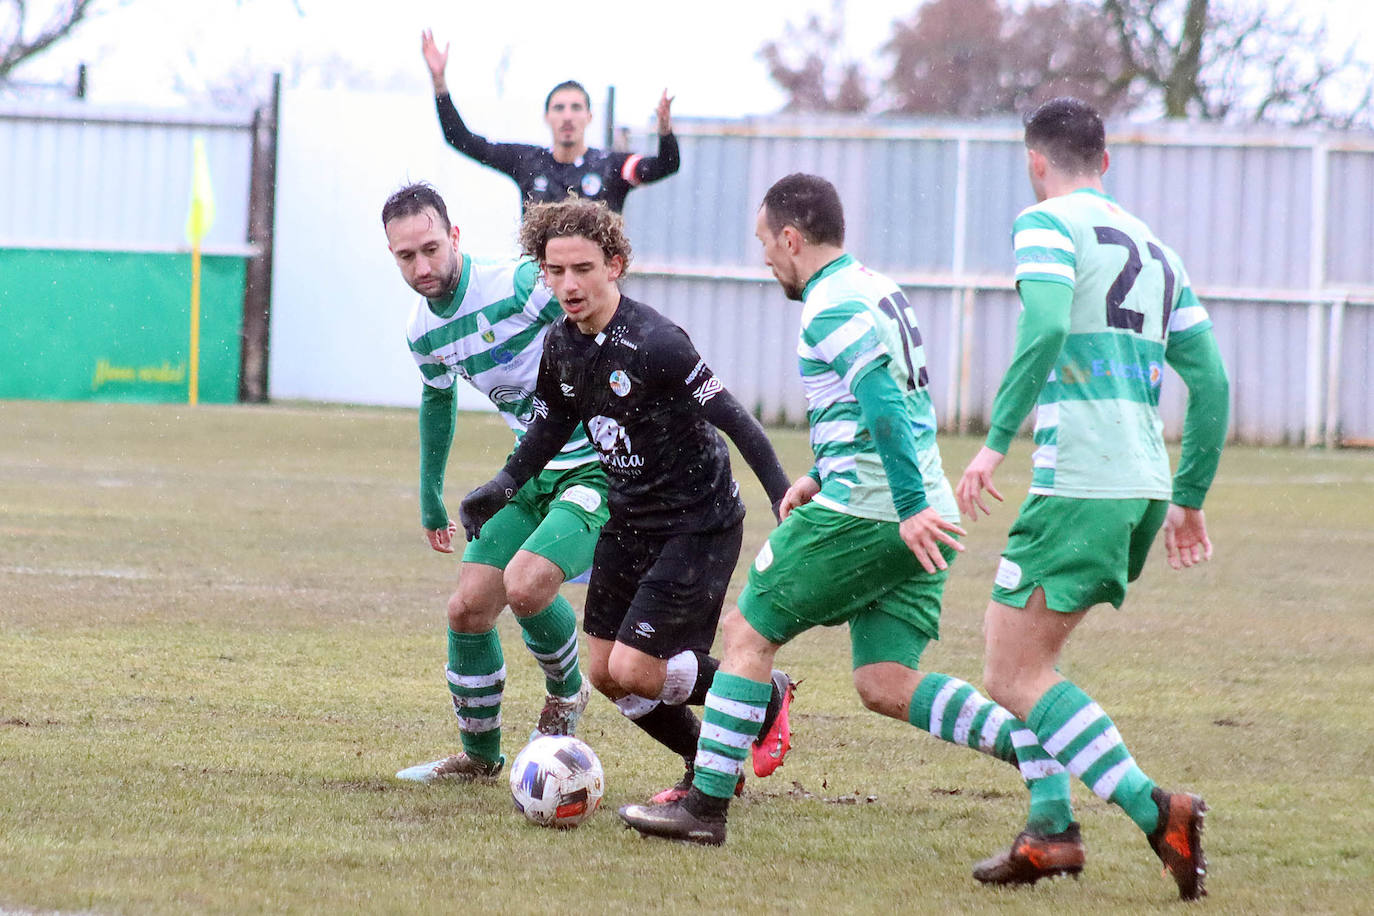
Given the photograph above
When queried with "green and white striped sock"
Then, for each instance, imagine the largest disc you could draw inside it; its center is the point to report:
(476, 680)
(1077, 733)
(952, 710)
(731, 720)
(1051, 807)
(551, 636)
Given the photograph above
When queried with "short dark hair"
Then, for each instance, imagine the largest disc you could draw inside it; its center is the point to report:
(568, 84)
(414, 199)
(1069, 131)
(808, 203)
(575, 216)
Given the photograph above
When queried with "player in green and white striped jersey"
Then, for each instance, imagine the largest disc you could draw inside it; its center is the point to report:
(1105, 306)
(866, 537)
(486, 322)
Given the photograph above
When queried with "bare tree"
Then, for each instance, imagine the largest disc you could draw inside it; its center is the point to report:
(1209, 59)
(1216, 59)
(976, 57)
(21, 38)
(803, 63)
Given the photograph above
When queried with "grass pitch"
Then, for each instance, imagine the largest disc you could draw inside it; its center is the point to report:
(221, 633)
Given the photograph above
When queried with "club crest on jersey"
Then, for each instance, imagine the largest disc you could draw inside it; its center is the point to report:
(541, 183)
(484, 328)
(591, 184)
(620, 383)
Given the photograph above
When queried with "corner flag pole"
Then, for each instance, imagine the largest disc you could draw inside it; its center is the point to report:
(198, 221)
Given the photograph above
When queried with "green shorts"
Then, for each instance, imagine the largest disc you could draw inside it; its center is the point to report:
(1080, 551)
(824, 568)
(557, 515)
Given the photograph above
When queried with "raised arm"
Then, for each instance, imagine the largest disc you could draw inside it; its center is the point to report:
(644, 169)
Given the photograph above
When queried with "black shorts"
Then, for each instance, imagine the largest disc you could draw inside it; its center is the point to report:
(660, 594)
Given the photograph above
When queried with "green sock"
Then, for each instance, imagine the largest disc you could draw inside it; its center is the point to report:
(952, 710)
(731, 720)
(1051, 807)
(552, 638)
(476, 680)
(1077, 733)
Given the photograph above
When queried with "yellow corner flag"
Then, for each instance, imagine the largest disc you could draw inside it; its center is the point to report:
(201, 216)
(199, 219)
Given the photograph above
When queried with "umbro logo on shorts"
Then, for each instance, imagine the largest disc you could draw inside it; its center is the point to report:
(644, 628)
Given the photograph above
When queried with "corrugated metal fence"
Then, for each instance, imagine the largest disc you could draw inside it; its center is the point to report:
(80, 176)
(1276, 228)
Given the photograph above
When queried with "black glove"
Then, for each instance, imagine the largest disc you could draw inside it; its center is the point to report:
(484, 502)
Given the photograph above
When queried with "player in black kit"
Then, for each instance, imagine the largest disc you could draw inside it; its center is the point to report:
(570, 167)
(651, 407)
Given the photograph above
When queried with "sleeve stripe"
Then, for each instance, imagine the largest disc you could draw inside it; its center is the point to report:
(1184, 318)
(627, 171)
(1042, 238)
(1031, 269)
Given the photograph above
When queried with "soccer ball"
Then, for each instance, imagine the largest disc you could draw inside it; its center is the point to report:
(557, 781)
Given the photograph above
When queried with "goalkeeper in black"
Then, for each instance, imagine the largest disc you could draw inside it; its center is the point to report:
(651, 407)
(569, 166)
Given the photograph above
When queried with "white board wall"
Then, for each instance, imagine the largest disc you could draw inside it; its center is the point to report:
(339, 305)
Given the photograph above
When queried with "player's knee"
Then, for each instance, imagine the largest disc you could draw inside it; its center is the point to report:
(637, 674)
(876, 694)
(742, 639)
(1000, 683)
(527, 596)
(601, 679)
(466, 615)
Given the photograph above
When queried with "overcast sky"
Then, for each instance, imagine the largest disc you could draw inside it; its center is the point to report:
(703, 51)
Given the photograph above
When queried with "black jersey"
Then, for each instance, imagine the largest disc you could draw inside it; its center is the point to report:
(640, 387)
(598, 175)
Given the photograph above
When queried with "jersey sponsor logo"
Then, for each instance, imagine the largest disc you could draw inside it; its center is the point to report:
(696, 370)
(1008, 574)
(502, 356)
(541, 183)
(583, 497)
(613, 445)
(708, 389)
(620, 383)
(591, 184)
(519, 401)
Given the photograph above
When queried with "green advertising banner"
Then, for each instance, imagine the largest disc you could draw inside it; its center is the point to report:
(115, 326)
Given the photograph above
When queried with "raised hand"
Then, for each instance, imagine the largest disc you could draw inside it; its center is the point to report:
(665, 113)
(435, 59)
